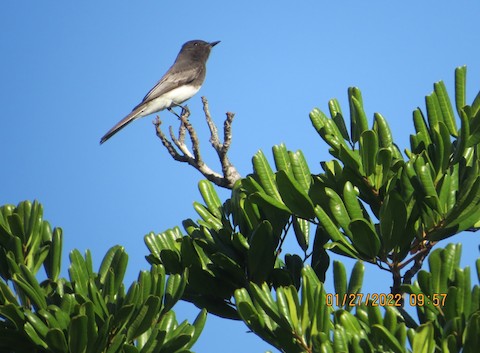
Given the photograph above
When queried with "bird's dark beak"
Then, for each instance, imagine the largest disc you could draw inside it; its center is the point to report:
(212, 44)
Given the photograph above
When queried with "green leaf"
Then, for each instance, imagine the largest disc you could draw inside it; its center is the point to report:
(348, 321)
(365, 238)
(464, 134)
(340, 340)
(443, 148)
(471, 336)
(356, 278)
(143, 320)
(374, 314)
(460, 85)
(339, 279)
(445, 107)
(282, 160)
(474, 138)
(331, 229)
(13, 314)
(349, 157)
(424, 340)
(383, 168)
(265, 200)
(368, 151)
(198, 325)
(207, 216)
(240, 242)
(383, 131)
(393, 220)
(122, 317)
(327, 129)
(79, 272)
(301, 172)
(351, 201)
(358, 119)
(190, 255)
(301, 228)
(16, 226)
(434, 115)
(262, 296)
(49, 318)
(261, 256)
(426, 182)
(421, 127)
(30, 287)
(233, 269)
(287, 317)
(265, 175)
(247, 310)
(115, 343)
(388, 338)
(210, 197)
(390, 319)
(114, 263)
(77, 334)
(34, 336)
(337, 117)
(338, 209)
(342, 249)
(175, 287)
(56, 340)
(320, 258)
(127, 348)
(464, 195)
(53, 261)
(294, 196)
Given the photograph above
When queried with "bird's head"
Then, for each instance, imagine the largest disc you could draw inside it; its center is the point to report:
(197, 49)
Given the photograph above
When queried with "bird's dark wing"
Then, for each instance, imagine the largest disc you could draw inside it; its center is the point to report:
(172, 79)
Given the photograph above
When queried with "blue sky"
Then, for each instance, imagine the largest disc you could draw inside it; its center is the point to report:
(69, 72)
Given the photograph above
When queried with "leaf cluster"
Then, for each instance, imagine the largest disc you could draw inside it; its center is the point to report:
(371, 203)
(89, 312)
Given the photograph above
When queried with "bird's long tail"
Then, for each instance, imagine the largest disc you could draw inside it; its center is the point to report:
(135, 114)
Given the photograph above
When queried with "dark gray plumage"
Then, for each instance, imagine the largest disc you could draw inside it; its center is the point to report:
(181, 82)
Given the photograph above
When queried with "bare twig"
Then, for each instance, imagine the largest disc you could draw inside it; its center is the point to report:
(419, 257)
(182, 153)
(417, 260)
(229, 171)
(168, 145)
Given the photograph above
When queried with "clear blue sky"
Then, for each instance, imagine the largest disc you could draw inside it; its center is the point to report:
(68, 72)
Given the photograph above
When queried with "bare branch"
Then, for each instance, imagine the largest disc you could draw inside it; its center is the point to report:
(227, 131)
(211, 125)
(228, 169)
(168, 145)
(182, 153)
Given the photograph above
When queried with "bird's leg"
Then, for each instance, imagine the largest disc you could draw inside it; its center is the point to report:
(184, 110)
(174, 112)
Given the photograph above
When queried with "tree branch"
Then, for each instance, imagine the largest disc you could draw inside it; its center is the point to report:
(179, 151)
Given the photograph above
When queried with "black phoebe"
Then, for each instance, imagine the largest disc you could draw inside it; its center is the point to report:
(179, 84)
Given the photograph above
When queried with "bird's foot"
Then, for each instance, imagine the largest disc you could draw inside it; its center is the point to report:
(184, 109)
(184, 112)
(174, 112)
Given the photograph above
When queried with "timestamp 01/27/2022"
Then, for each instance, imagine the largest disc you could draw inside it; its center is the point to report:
(384, 299)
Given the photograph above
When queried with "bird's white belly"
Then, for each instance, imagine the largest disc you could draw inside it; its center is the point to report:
(175, 96)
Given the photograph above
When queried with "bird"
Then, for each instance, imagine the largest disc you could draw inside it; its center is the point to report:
(180, 83)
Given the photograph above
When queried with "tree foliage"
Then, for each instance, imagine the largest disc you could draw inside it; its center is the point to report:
(89, 312)
(371, 203)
